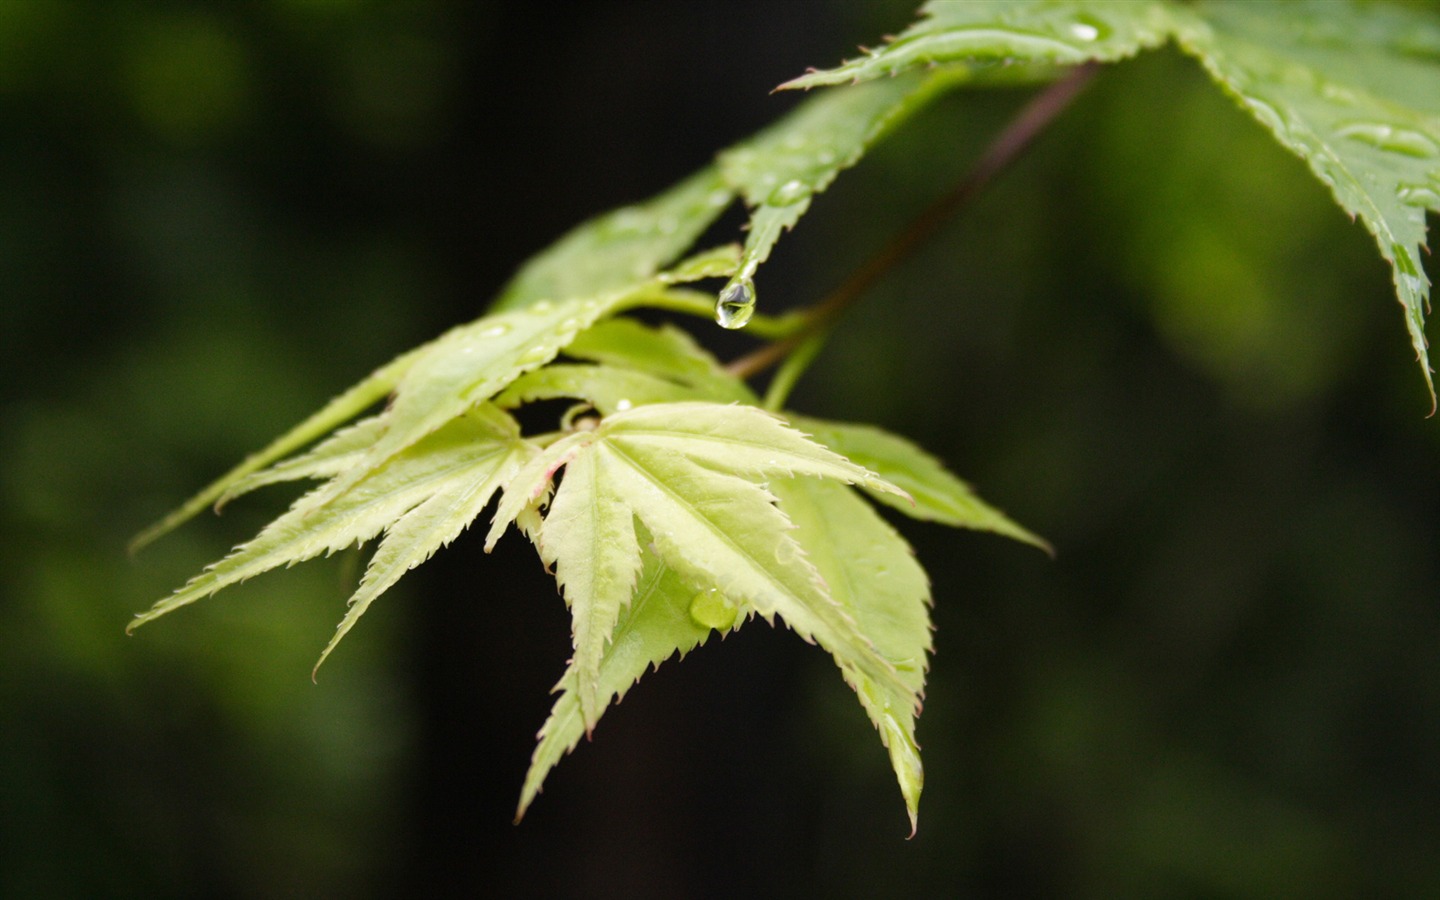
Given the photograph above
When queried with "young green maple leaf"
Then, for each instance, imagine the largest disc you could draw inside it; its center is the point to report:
(689, 472)
(421, 498)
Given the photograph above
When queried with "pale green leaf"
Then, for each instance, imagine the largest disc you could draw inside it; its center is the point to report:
(732, 438)
(1355, 92)
(416, 535)
(470, 364)
(445, 462)
(992, 38)
(723, 531)
(687, 471)
(530, 486)
(589, 538)
(655, 626)
(673, 463)
(938, 495)
(622, 247)
(872, 574)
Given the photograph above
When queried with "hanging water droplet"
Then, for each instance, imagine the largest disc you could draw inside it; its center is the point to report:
(791, 191)
(1388, 137)
(736, 303)
(713, 610)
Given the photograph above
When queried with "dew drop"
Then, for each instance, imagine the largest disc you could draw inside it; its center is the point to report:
(791, 191)
(622, 405)
(497, 330)
(713, 610)
(736, 303)
(540, 307)
(1088, 28)
(534, 355)
(1388, 137)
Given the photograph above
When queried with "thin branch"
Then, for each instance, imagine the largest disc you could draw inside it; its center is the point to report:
(1007, 147)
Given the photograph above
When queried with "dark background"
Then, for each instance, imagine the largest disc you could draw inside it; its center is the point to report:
(1156, 341)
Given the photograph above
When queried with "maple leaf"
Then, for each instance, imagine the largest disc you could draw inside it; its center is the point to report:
(690, 472)
(421, 498)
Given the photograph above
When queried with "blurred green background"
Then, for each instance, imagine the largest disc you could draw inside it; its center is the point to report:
(1156, 341)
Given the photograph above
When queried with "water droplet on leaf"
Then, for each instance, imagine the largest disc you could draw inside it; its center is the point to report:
(496, 330)
(1419, 195)
(736, 303)
(622, 405)
(712, 610)
(1089, 28)
(1388, 137)
(791, 191)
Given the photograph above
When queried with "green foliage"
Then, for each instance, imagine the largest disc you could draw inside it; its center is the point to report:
(668, 502)
(1352, 90)
(1355, 92)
